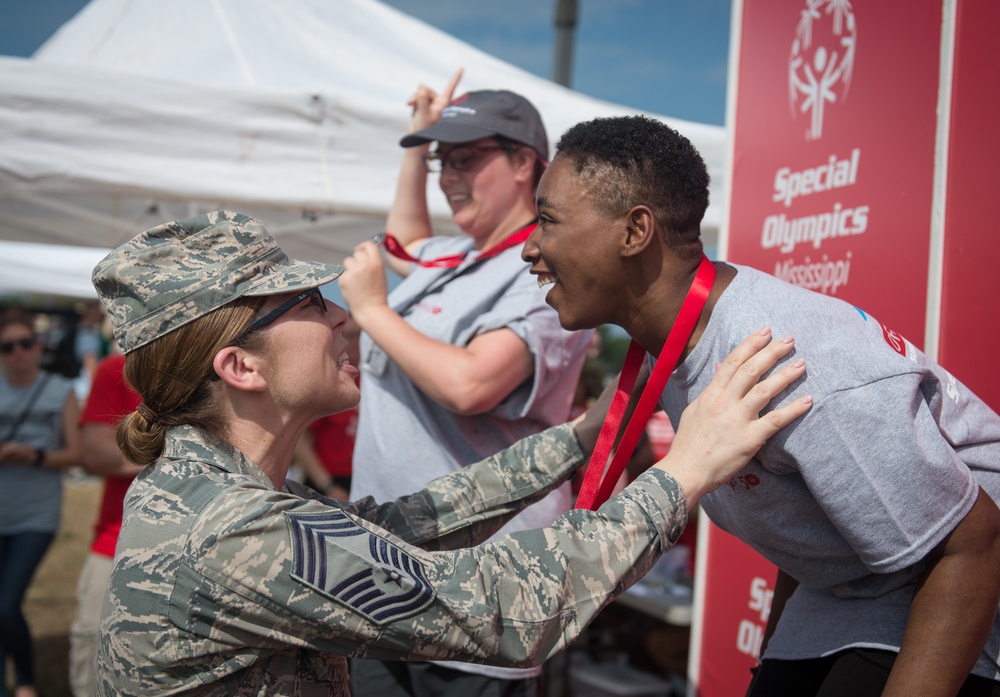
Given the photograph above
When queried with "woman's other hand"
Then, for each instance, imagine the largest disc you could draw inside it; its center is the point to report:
(722, 428)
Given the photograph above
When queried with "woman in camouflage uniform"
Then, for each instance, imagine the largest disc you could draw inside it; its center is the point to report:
(228, 580)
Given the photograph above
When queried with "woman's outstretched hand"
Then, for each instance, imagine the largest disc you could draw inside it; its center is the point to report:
(722, 428)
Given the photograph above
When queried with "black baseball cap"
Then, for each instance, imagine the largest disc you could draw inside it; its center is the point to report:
(483, 114)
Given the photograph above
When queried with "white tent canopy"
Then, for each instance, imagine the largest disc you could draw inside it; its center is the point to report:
(47, 269)
(141, 111)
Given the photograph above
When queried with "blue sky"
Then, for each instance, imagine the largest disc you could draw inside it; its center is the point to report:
(663, 56)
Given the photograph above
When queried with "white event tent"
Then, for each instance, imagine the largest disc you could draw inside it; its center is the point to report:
(141, 111)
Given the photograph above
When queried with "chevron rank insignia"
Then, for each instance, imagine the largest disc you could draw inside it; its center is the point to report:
(356, 567)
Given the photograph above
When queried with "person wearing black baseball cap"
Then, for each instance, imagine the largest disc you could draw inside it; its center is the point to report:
(464, 357)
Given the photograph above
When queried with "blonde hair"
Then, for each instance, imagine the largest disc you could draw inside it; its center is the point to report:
(173, 375)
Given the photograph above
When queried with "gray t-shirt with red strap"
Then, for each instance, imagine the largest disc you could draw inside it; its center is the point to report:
(405, 439)
(849, 499)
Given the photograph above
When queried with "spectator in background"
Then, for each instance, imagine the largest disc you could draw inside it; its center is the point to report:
(464, 358)
(326, 450)
(109, 400)
(38, 439)
(88, 346)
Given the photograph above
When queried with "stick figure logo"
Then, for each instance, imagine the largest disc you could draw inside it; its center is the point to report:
(821, 60)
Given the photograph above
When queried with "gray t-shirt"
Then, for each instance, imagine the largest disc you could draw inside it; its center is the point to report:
(31, 497)
(850, 498)
(405, 439)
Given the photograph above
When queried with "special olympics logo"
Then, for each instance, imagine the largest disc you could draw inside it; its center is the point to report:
(822, 59)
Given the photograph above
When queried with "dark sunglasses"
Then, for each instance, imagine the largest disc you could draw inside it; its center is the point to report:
(7, 347)
(315, 297)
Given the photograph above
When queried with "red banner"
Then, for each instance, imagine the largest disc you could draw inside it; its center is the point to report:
(832, 180)
(970, 334)
(834, 138)
(737, 585)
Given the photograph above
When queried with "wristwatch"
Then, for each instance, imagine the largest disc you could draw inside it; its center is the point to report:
(39, 457)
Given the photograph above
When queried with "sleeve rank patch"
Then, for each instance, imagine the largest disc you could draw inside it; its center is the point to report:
(357, 568)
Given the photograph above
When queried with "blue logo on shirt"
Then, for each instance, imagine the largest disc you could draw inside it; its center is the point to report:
(356, 567)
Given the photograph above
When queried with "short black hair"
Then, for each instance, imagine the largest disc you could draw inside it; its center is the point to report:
(628, 161)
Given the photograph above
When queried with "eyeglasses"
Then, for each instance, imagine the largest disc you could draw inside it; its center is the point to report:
(461, 159)
(8, 347)
(314, 296)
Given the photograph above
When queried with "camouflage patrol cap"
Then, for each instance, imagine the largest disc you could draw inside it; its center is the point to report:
(177, 272)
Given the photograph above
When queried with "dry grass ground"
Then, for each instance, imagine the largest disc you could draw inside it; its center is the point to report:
(51, 601)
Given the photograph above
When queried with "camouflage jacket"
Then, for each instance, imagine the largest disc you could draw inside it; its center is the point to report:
(224, 586)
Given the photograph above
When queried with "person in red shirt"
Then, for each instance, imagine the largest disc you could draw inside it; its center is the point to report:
(326, 453)
(110, 399)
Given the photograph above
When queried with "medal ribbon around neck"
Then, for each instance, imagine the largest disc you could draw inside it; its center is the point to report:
(518, 237)
(594, 491)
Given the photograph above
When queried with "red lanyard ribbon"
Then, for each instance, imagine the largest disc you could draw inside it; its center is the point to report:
(518, 237)
(594, 491)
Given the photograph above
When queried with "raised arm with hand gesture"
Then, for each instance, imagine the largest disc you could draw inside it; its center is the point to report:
(427, 104)
(409, 220)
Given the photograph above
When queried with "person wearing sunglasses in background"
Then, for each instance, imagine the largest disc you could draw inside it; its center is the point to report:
(38, 439)
(464, 357)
